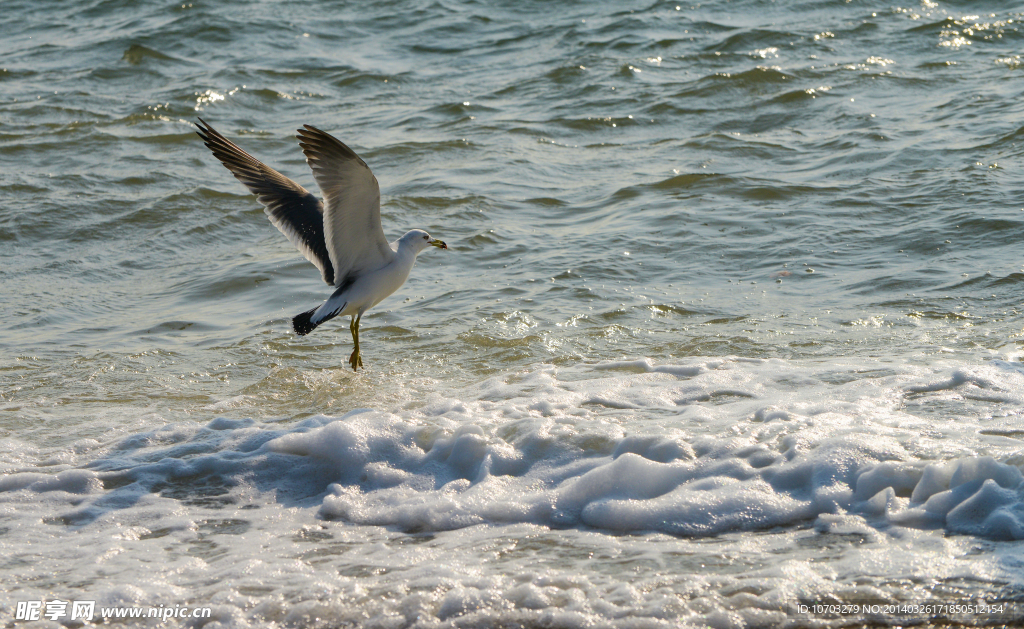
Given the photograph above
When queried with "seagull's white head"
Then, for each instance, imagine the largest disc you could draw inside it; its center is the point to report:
(417, 240)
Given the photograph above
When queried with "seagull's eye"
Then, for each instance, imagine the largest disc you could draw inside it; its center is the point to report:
(426, 238)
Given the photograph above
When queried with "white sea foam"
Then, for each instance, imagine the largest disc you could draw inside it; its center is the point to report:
(700, 450)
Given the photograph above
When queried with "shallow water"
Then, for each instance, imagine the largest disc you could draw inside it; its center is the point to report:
(730, 321)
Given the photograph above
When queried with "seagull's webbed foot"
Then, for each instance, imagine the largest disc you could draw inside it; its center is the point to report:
(356, 359)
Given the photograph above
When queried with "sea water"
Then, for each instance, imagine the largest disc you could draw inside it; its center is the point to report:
(729, 331)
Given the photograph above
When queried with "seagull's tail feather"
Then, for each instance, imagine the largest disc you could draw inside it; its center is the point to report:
(304, 323)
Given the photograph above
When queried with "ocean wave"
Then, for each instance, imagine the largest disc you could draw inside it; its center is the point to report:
(537, 449)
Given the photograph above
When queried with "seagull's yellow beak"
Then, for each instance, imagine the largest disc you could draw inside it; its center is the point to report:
(438, 243)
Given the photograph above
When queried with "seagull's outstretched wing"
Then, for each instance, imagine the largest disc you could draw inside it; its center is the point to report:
(352, 230)
(290, 207)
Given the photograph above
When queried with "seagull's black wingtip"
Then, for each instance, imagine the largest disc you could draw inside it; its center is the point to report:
(205, 131)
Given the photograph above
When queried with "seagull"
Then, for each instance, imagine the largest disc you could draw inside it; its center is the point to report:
(341, 235)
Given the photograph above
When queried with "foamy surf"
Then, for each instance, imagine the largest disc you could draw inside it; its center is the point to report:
(698, 450)
(635, 452)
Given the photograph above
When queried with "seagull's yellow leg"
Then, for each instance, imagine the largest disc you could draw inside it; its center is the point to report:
(356, 359)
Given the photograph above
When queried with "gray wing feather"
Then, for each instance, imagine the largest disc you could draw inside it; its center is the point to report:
(354, 237)
(295, 211)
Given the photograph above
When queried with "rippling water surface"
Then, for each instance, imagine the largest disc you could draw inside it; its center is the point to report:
(730, 322)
